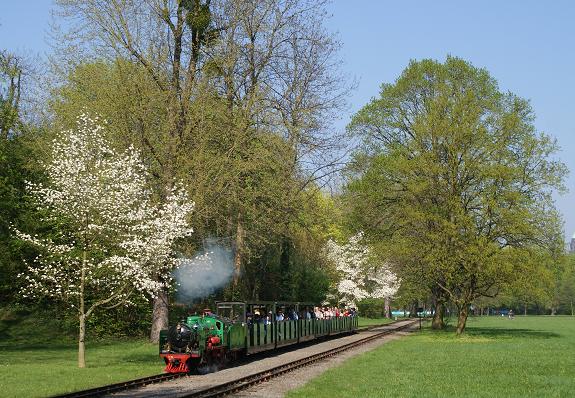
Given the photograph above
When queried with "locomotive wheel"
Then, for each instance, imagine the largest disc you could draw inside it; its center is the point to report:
(218, 358)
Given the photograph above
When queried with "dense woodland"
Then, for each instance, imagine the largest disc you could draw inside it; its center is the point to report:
(444, 175)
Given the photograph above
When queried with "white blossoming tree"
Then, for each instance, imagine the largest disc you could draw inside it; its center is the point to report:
(114, 242)
(362, 276)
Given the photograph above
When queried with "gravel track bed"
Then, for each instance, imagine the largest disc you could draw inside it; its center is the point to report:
(279, 386)
(276, 387)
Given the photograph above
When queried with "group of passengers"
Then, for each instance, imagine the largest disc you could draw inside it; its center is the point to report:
(332, 312)
(290, 314)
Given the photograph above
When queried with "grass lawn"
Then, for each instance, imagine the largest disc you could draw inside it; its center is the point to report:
(38, 360)
(43, 370)
(375, 321)
(498, 357)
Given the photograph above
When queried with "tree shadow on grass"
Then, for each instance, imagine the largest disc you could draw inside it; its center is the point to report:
(17, 345)
(510, 333)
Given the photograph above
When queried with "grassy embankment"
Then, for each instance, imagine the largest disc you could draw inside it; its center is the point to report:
(37, 361)
(498, 357)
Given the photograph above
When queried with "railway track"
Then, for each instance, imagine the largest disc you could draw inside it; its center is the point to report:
(123, 386)
(251, 380)
(237, 384)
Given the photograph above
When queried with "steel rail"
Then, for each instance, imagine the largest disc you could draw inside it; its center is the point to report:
(122, 386)
(258, 377)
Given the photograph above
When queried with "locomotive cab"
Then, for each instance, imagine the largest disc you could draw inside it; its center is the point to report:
(197, 340)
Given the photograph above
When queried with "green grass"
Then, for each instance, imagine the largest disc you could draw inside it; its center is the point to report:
(375, 321)
(37, 359)
(43, 370)
(498, 357)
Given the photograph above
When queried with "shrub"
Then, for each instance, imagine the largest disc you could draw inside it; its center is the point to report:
(371, 308)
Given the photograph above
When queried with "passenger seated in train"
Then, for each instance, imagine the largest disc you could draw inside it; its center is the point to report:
(293, 315)
(280, 316)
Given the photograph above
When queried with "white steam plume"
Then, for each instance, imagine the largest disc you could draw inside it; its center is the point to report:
(201, 275)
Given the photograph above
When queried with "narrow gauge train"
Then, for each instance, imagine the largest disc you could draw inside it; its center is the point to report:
(240, 328)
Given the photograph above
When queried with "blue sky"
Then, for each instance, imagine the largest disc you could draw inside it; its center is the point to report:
(528, 46)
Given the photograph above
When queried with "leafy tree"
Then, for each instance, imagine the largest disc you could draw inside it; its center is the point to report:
(455, 181)
(11, 69)
(529, 288)
(14, 154)
(112, 242)
(14, 208)
(270, 71)
(567, 286)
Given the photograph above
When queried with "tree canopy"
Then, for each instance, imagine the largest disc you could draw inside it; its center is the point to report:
(454, 177)
(233, 96)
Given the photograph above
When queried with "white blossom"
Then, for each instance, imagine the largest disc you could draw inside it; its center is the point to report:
(361, 276)
(116, 241)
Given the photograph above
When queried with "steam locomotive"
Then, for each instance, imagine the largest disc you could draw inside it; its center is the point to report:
(242, 328)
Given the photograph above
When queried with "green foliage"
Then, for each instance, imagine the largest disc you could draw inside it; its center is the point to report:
(29, 324)
(16, 209)
(235, 174)
(13, 204)
(11, 70)
(124, 95)
(123, 322)
(566, 287)
(454, 181)
(371, 308)
(497, 358)
(199, 19)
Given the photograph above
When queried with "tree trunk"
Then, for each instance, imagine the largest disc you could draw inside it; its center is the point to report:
(462, 319)
(439, 311)
(387, 307)
(553, 311)
(413, 310)
(525, 309)
(238, 254)
(159, 315)
(82, 309)
(571, 307)
(81, 344)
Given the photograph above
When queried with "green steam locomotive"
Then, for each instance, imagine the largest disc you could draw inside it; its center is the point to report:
(243, 328)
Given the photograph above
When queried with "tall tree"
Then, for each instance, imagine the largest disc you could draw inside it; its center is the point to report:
(456, 179)
(15, 208)
(567, 286)
(11, 71)
(267, 67)
(168, 40)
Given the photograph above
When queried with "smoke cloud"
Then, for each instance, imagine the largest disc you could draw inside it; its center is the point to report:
(209, 270)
